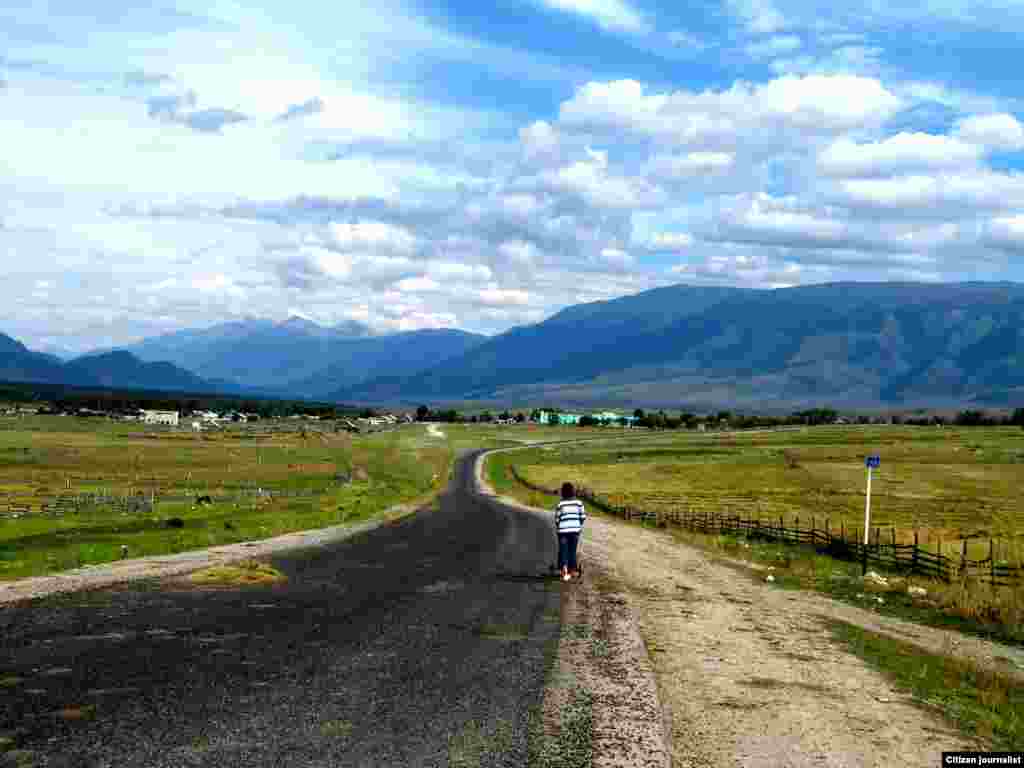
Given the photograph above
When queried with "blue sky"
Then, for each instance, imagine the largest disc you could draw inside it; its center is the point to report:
(431, 164)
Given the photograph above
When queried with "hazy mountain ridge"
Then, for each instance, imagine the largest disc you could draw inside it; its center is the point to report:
(116, 369)
(300, 358)
(858, 343)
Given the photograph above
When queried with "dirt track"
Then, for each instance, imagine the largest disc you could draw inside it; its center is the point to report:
(750, 673)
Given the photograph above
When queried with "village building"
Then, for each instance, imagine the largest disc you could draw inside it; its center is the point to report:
(169, 418)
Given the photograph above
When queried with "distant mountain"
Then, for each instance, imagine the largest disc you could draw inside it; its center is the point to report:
(299, 357)
(120, 370)
(19, 363)
(123, 370)
(845, 343)
(396, 354)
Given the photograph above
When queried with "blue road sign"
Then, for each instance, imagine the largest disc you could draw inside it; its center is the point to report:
(872, 462)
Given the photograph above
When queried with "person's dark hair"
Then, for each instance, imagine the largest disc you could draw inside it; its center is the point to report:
(568, 492)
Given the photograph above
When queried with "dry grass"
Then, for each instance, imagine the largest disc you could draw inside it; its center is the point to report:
(245, 573)
(949, 484)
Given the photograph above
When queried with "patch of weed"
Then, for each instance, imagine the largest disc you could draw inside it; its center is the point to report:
(981, 701)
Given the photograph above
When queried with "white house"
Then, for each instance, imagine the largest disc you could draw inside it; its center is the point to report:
(160, 417)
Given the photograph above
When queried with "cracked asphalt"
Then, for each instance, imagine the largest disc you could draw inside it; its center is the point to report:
(420, 643)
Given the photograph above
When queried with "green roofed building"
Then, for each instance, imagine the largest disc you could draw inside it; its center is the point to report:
(547, 417)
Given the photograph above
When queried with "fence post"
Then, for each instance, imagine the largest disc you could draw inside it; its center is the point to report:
(963, 559)
(913, 561)
(992, 562)
(942, 563)
(782, 529)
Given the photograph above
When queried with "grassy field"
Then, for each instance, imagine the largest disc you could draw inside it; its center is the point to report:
(322, 478)
(948, 483)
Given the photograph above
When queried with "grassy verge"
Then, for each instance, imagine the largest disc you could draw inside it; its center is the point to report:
(498, 470)
(981, 702)
(344, 480)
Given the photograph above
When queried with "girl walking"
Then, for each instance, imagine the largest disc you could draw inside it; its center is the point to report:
(569, 519)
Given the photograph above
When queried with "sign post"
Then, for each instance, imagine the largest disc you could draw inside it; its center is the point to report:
(871, 462)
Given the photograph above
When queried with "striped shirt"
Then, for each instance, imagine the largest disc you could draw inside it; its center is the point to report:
(570, 516)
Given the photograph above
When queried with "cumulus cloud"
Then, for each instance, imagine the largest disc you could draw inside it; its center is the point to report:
(996, 131)
(945, 194)
(898, 154)
(373, 236)
(501, 297)
(686, 165)
(814, 104)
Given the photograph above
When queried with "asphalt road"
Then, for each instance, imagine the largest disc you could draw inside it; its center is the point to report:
(420, 643)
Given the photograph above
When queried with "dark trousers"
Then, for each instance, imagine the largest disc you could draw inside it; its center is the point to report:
(567, 550)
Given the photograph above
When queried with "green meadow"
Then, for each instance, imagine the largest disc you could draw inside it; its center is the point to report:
(947, 483)
(314, 477)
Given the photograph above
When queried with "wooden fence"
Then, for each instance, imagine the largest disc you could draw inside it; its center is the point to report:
(64, 504)
(842, 543)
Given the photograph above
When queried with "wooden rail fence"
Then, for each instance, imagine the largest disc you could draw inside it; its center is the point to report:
(844, 543)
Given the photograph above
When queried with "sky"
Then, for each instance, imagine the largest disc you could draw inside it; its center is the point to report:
(427, 164)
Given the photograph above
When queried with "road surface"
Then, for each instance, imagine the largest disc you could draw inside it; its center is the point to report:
(421, 643)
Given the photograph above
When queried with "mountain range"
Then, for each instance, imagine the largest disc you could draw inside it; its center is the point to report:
(299, 357)
(680, 346)
(853, 344)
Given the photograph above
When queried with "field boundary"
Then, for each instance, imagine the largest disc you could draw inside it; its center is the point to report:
(843, 544)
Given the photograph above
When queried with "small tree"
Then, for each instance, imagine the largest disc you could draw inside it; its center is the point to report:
(1018, 417)
(422, 412)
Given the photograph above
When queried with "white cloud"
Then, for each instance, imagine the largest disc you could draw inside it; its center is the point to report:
(375, 236)
(499, 297)
(669, 241)
(452, 271)
(330, 263)
(420, 284)
(898, 154)
(996, 131)
(761, 17)
(815, 104)
(690, 164)
(609, 14)
(218, 283)
(957, 194)
(539, 141)
(615, 259)
(1006, 233)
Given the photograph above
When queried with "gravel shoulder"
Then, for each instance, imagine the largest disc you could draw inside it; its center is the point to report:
(603, 661)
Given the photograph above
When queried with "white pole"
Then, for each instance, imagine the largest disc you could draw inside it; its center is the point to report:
(867, 510)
